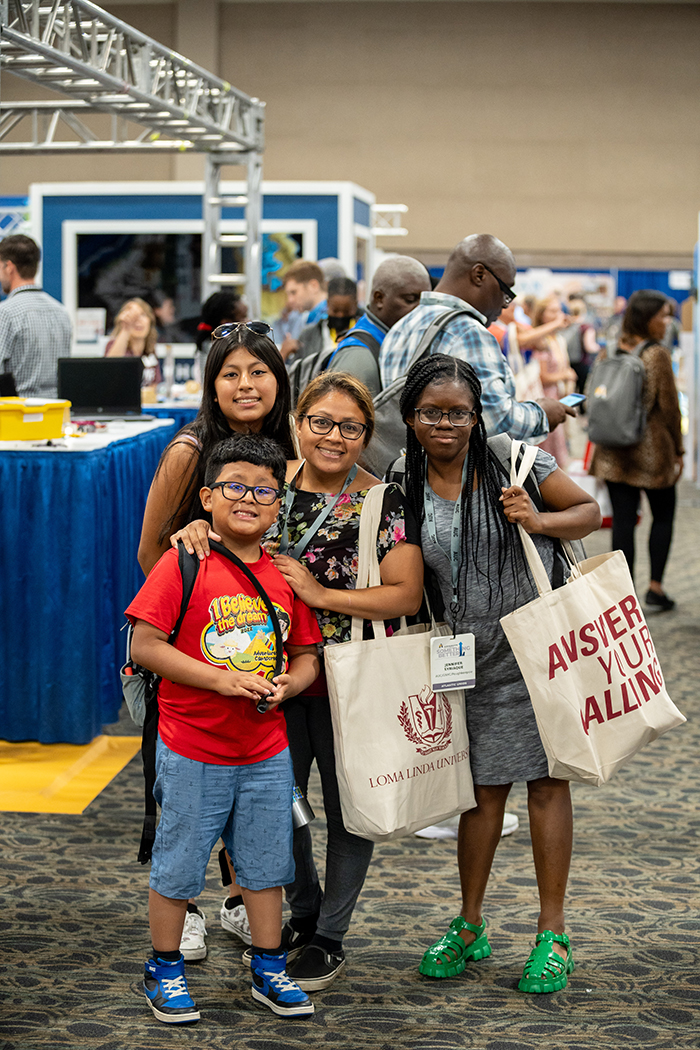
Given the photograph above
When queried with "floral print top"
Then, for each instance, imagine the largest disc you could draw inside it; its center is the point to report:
(332, 554)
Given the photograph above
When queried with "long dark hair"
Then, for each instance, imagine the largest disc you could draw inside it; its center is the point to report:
(641, 307)
(211, 425)
(503, 547)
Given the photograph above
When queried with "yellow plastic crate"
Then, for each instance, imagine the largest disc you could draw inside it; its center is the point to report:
(32, 418)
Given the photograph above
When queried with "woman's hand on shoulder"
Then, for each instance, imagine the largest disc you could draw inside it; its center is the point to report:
(304, 585)
(196, 538)
(519, 509)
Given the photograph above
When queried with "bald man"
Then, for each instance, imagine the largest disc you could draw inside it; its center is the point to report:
(396, 290)
(478, 280)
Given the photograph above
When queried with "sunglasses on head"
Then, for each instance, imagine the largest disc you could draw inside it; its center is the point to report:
(258, 327)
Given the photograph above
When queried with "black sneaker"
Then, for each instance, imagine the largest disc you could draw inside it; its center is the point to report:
(316, 968)
(292, 942)
(661, 602)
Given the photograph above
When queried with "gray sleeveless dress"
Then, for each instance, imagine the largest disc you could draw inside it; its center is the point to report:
(504, 742)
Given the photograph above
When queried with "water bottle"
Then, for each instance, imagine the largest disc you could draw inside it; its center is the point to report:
(302, 813)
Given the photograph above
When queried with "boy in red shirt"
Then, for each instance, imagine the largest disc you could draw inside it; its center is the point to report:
(223, 768)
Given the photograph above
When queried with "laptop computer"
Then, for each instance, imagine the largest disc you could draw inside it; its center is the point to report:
(102, 387)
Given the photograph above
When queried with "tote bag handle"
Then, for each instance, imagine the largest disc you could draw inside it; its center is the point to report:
(367, 562)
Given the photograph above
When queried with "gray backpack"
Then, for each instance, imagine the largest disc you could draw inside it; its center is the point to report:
(616, 414)
(389, 438)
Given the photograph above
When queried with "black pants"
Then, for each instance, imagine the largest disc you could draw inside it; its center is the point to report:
(310, 733)
(625, 504)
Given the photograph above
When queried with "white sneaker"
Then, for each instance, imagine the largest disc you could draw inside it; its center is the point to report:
(235, 920)
(510, 824)
(448, 829)
(194, 931)
(436, 831)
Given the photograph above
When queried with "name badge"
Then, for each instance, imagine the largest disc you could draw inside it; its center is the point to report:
(453, 662)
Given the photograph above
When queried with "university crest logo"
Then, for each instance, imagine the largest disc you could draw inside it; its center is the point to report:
(427, 721)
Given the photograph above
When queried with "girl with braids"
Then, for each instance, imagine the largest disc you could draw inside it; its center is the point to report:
(457, 489)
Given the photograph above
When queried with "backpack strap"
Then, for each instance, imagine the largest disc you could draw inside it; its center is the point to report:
(396, 472)
(189, 567)
(364, 337)
(272, 612)
(437, 325)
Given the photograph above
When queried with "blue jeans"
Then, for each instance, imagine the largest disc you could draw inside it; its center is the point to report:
(250, 807)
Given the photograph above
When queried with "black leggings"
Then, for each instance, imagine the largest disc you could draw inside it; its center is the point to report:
(625, 504)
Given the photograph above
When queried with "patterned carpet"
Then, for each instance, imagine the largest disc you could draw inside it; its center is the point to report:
(74, 933)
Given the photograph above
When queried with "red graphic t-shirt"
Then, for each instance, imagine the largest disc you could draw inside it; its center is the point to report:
(226, 624)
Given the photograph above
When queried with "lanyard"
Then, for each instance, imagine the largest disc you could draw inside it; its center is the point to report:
(300, 546)
(456, 534)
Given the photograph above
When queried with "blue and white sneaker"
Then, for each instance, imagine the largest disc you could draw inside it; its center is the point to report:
(272, 987)
(165, 988)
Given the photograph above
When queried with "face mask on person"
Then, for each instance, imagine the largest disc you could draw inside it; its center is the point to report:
(340, 324)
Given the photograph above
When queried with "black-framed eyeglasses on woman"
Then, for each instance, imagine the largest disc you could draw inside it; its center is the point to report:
(508, 293)
(323, 425)
(232, 490)
(458, 417)
(257, 327)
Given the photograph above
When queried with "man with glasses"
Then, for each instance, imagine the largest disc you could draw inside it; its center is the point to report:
(478, 280)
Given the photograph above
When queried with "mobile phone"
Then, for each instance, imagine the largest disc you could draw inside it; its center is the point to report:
(572, 400)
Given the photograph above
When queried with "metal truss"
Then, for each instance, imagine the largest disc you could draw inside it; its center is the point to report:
(105, 66)
(42, 121)
(79, 50)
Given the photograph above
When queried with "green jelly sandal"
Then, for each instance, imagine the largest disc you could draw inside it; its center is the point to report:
(448, 956)
(545, 970)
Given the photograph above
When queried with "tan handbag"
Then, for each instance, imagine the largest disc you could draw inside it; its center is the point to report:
(401, 750)
(588, 661)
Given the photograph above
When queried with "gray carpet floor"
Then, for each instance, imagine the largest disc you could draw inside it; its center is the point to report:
(73, 923)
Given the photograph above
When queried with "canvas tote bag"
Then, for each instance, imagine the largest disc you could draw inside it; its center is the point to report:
(589, 663)
(401, 750)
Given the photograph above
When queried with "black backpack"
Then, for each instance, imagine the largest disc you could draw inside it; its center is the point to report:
(389, 437)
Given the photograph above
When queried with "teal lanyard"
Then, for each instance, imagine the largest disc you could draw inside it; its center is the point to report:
(456, 535)
(300, 546)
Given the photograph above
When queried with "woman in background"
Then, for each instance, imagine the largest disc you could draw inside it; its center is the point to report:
(557, 375)
(135, 335)
(656, 463)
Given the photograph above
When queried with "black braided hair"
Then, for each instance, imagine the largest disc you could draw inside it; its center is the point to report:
(504, 550)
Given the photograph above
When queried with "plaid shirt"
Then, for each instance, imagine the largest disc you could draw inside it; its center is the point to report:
(35, 331)
(465, 337)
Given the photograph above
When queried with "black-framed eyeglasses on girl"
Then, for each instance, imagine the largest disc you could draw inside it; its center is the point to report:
(257, 327)
(232, 490)
(323, 425)
(458, 417)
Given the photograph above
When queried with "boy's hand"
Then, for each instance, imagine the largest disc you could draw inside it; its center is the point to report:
(242, 683)
(283, 687)
(519, 509)
(304, 585)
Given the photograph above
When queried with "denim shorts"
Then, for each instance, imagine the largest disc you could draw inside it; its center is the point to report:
(250, 807)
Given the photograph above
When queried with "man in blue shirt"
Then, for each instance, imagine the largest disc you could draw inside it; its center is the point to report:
(478, 278)
(396, 290)
(305, 288)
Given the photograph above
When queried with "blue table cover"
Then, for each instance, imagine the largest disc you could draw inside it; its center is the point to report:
(69, 530)
(181, 415)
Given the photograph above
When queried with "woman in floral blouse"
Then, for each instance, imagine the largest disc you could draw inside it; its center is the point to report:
(315, 543)
(321, 566)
